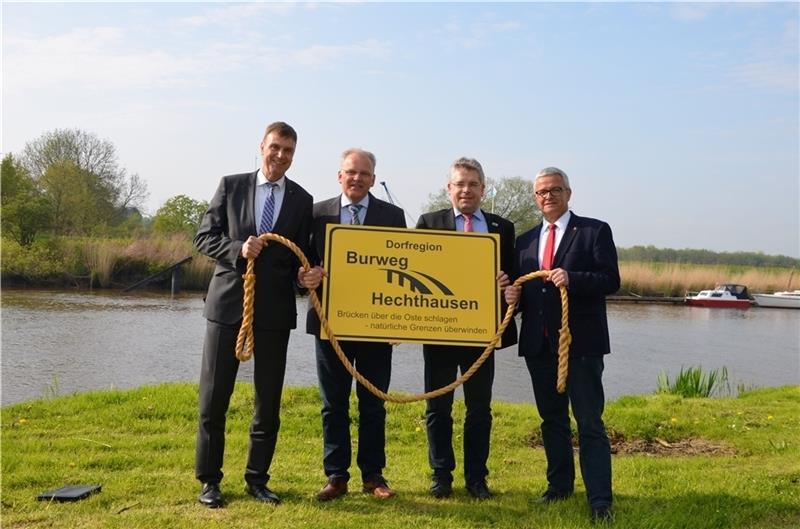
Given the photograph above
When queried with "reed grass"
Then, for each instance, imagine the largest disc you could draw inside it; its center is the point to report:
(693, 382)
(675, 279)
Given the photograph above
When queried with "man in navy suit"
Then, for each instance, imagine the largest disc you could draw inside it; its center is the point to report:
(465, 187)
(580, 254)
(356, 205)
(244, 206)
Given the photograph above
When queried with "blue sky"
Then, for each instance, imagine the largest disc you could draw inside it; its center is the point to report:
(679, 124)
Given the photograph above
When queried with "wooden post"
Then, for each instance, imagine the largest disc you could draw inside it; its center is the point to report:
(176, 280)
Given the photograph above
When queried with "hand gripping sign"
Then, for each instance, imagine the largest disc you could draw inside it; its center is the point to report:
(421, 286)
(245, 339)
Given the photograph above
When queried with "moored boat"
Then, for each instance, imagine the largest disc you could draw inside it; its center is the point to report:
(789, 299)
(723, 296)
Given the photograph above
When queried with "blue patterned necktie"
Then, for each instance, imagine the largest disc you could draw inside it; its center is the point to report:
(265, 225)
(354, 209)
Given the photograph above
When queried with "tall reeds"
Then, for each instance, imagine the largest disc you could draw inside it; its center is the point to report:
(675, 279)
(693, 382)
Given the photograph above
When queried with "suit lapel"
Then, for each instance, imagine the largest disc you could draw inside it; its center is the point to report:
(491, 222)
(532, 250)
(373, 212)
(288, 207)
(250, 205)
(566, 240)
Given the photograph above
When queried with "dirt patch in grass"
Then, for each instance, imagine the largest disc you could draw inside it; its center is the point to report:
(657, 447)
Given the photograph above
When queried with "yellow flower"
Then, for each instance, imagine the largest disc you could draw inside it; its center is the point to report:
(769, 417)
(418, 429)
(673, 420)
(22, 421)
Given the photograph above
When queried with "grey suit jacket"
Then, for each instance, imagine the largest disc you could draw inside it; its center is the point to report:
(229, 221)
(445, 219)
(379, 213)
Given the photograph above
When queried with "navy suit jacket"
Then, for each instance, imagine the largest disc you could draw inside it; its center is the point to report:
(588, 254)
(229, 221)
(445, 219)
(379, 213)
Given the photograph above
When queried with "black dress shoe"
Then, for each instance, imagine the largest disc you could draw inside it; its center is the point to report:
(210, 495)
(551, 496)
(441, 487)
(479, 490)
(602, 515)
(262, 493)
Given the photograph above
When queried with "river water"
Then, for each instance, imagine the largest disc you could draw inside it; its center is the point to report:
(61, 342)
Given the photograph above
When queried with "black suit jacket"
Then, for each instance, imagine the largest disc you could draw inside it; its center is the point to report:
(379, 213)
(229, 221)
(445, 219)
(588, 254)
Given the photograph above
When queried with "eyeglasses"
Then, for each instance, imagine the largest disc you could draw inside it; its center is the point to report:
(352, 173)
(466, 185)
(553, 191)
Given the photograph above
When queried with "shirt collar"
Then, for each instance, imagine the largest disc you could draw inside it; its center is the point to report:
(261, 179)
(477, 215)
(344, 201)
(561, 223)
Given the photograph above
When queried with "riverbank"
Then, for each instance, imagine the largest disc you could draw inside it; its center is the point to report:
(118, 263)
(711, 463)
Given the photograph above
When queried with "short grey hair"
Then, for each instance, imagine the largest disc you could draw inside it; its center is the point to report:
(547, 171)
(467, 163)
(362, 152)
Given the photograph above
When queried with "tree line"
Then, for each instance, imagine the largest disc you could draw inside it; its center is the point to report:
(70, 182)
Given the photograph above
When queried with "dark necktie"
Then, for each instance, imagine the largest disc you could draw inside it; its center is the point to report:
(265, 225)
(549, 247)
(354, 209)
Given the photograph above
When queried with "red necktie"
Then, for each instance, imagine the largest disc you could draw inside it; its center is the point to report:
(467, 222)
(549, 247)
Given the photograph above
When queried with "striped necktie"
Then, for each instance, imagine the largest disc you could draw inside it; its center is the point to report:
(354, 209)
(265, 225)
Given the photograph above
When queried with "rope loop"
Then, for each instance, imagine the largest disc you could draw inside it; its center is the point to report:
(245, 340)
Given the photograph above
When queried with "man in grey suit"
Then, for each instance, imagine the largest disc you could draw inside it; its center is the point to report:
(244, 206)
(465, 186)
(356, 205)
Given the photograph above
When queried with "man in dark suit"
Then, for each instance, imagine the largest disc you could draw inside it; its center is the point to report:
(356, 205)
(580, 254)
(244, 206)
(466, 186)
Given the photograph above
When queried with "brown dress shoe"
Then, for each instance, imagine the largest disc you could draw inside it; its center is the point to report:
(336, 487)
(378, 487)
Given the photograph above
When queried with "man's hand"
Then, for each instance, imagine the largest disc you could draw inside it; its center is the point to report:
(559, 277)
(252, 247)
(312, 278)
(511, 294)
(502, 279)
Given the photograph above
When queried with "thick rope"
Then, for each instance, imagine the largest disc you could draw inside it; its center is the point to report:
(244, 342)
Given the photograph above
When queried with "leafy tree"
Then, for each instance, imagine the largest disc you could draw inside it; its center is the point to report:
(25, 211)
(90, 155)
(179, 214)
(79, 200)
(511, 198)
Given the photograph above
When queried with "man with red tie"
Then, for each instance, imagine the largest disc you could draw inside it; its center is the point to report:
(581, 256)
(466, 185)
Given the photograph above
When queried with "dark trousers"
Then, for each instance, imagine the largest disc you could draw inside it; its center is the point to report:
(374, 361)
(585, 394)
(217, 378)
(442, 363)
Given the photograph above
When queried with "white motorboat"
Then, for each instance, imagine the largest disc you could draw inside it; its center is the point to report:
(789, 299)
(724, 296)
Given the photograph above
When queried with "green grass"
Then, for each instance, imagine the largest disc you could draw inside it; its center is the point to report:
(139, 445)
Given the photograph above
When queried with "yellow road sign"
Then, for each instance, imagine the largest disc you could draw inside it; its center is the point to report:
(423, 286)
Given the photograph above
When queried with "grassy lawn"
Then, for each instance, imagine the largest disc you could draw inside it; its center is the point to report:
(742, 467)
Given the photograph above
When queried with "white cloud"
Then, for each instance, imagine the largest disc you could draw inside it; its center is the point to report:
(768, 74)
(234, 14)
